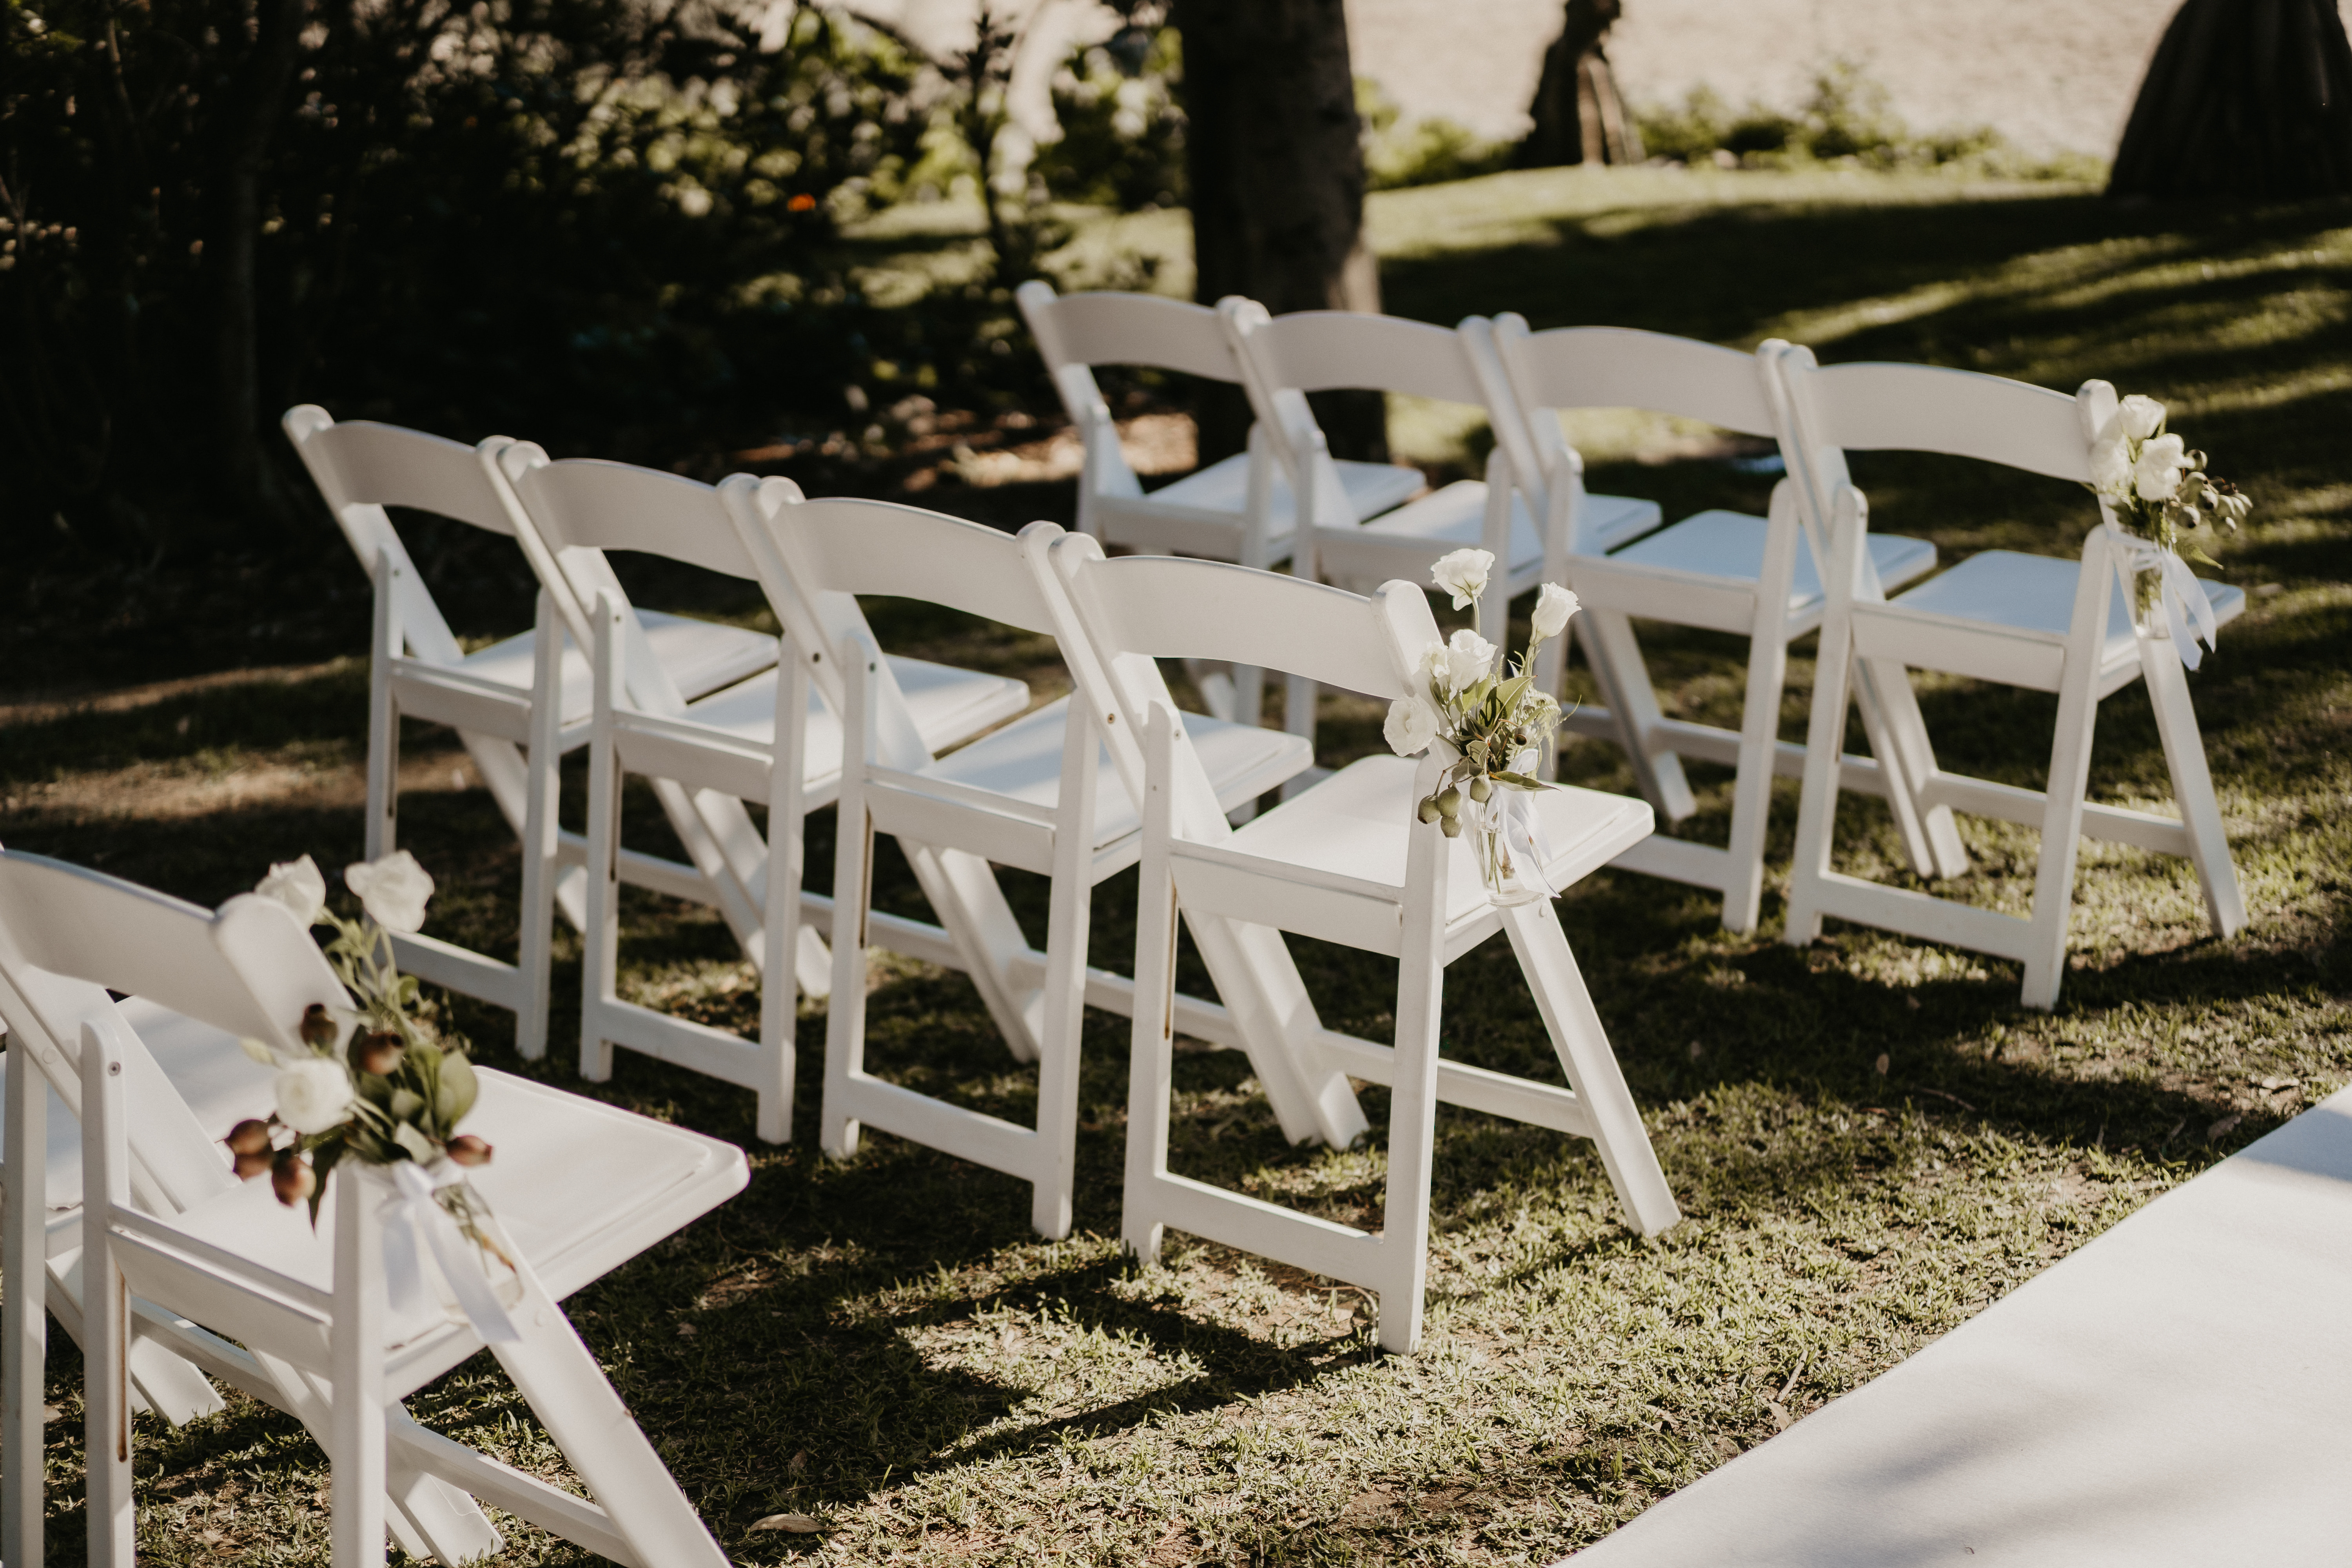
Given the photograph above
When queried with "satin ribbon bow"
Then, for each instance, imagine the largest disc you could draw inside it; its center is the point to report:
(413, 1221)
(2179, 593)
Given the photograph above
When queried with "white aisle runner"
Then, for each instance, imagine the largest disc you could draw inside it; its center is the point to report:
(2177, 1393)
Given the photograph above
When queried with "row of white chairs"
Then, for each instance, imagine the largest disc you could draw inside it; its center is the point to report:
(2059, 626)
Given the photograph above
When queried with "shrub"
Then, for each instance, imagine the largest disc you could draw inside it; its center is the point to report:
(1122, 142)
(1399, 152)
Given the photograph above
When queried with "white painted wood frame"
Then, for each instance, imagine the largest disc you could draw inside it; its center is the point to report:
(1344, 861)
(2035, 622)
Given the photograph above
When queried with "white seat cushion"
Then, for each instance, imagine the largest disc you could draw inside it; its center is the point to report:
(1354, 825)
(581, 1187)
(1451, 518)
(701, 655)
(1611, 521)
(1220, 491)
(1024, 760)
(948, 705)
(1730, 545)
(2036, 594)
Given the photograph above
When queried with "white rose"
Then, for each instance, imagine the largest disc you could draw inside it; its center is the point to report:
(2158, 473)
(392, 890)
(1411, 726)
(299, 886)
(313, 1095)
(1554, 606)
(1468, 657)
(1462, 574)
(2140, 416)
(2111, 467)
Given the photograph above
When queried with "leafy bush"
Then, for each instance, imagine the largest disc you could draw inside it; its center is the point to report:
(1122, 142)
(566, 218)
(1848, 116)
(1399, 152)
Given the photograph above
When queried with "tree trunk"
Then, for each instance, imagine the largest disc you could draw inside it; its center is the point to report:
(2249, 99)
(1275, 156)
(1578, 118)
(252, 102)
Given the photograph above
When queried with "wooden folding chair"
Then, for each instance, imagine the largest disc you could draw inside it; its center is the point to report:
(1239, 508)
(493, 698)
(2038, 622)
(1718, 570)
(292, 1317)
(1030, 796)
(708, 758)
(1346, 861)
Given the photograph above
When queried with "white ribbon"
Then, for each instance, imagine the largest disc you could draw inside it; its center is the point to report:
(2177, 590)
(414, 1221)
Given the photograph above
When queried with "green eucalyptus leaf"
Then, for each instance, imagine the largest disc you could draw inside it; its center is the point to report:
(1521, 781)
(459, 1090)
(406, 1104)
(417, 1146)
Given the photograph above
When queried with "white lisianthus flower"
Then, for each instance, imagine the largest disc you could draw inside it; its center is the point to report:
(2140, 416)
(1411, 724)
(1468, 657)
(392, 890)
(313, 1095)
(2111, 466)
(1462, 574)
(1554, 606)
(299, 886)
(2158, 474)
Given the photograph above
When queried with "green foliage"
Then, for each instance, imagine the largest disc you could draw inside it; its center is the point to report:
(1122, 142)
(572, 218)
(1401, 152)
(1847, 117)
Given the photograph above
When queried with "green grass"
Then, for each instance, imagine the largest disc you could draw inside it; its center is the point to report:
(1871, 1140)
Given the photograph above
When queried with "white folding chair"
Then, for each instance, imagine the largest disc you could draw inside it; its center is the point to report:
(578, 1186)
(1348, 862)
(1718, 570)
(1239, 508)
(419, 670)
(709, 758)
(2042, 623)
(1031, 795)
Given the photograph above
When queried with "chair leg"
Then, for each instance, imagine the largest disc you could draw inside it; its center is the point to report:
(781, 920)
(1061, 1033)
(24, 1325)
(963, 889)
(1825, 757)
(2192, 786)
(112, 1515)
(542, 781)
(2062, 840)
(1624, 679)
(382, 828)
(1299, 700)
(1899, 739)
(1752, 790)
(1591, 1066)
(600, 945)
(1412, 1098)
(844, 1023)
(567, 1390)
(355, 1439)
(1151, 1034)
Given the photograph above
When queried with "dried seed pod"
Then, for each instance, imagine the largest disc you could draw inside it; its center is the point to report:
(250, 1136)
(291, 1178)
(379, 1053)
(1451, 827)
(470, 1151)
(251, 1166)
(1481, 789)
(318, 1027)
(1449, 804)
(1427, 810)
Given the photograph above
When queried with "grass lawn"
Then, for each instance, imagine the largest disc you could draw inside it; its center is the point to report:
(1871, 1140)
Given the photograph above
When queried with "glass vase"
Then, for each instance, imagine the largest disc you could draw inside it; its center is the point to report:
(1508, 876)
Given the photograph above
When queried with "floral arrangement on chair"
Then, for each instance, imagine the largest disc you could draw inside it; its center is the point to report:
(383, 1085)
(1495, 721)
(2158, 495)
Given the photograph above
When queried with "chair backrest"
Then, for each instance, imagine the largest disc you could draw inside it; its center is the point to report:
(68, 936)
(1121, 614)
(1620, 367)
(577, 509)
(362, 467)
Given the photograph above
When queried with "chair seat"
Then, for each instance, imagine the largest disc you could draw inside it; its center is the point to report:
(1454, 518)
(948, 705)
(1730, 545)
(1354, 825)
(2035, 594)
(701, 657)
(1220, 491)
(1611, 521)
(221, 1085)
(1024, 760)
(581, 1187)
